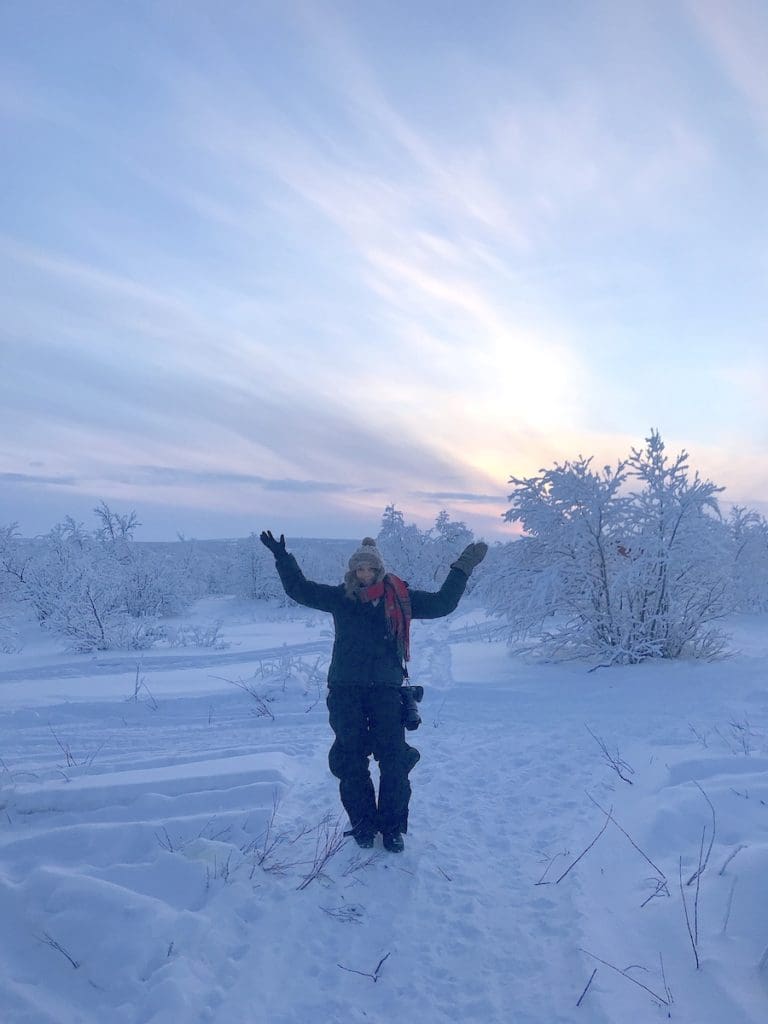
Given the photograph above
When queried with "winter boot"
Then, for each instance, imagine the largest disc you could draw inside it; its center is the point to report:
(394, 842)
(363, 835)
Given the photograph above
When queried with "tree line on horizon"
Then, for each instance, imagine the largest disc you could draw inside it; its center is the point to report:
(618, 564)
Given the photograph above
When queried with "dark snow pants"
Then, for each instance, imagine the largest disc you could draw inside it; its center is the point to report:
(368, 720)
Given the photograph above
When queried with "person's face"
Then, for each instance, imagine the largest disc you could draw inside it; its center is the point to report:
(365, 575)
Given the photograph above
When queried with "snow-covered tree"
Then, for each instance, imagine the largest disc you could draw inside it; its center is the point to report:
(254, 577)
(748, 533)
(449, 538)
(421, 557)
(99, 589)
(253, 572)
(624, 563)
(13, 562)
(11, 569)
(677, 587)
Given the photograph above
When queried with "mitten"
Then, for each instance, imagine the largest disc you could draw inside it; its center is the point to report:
(472, 555)
(277, 547)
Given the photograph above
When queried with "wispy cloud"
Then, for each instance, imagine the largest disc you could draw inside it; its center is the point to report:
(738, 35)
(171, 475)
(36, 478)
(491, 499)
(298, 275)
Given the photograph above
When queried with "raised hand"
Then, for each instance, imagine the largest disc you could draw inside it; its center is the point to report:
(472, 555)
(277, 547)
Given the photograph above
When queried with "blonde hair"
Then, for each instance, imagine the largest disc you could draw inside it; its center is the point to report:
(353, 586)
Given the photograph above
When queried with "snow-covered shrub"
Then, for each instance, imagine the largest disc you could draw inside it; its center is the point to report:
(615, 572)
(13, 562)
(208, 566)
(99, 589)
(323, 560)
(748, 533)
(11, 575)
(9, 635)
(152, 581)
(188, 635)
(449, 538)
(76, 587)
(421, 557)
(254, 576)
(253, 573)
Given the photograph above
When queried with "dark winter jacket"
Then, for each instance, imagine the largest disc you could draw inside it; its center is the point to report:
(363, 652)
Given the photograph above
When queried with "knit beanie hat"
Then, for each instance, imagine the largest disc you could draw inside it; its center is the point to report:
(367, 554)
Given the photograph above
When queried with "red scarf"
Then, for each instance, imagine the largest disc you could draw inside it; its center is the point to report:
(397, 608)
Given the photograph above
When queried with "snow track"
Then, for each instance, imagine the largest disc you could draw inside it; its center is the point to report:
(136, 845)
(79, 667)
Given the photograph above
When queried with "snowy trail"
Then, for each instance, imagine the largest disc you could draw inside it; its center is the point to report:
(85, 667)
(456, 915)
(142, 862)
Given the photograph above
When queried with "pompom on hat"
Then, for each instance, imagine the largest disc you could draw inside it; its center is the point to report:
(367, 554)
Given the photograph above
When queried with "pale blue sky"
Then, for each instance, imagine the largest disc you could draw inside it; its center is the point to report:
(284, 263)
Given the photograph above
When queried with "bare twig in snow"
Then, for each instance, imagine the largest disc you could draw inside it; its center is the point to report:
(367, 974)
(667, 989)
(139, 684)
(661, 889)
(221, 870)
(742, 734)
(687, 918)
(358, 863)
(64, 748)
(629, 837)
(264, 848)
(165, 840)
(586, 987)
(731, 855)
(70, 758)
(726, 741)
(268, 840)
(730, 904)
(615, 761)
(661, 999)
(702, 865)
(575, 862)
(699, 871)
(550, 862)
(262, 700)
(701, 737)
(329, 840)
(350, 914)
(50, 941)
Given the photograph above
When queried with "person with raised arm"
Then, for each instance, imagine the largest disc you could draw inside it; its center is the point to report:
(372, 612)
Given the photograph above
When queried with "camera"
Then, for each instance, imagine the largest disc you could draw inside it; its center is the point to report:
(410, 696)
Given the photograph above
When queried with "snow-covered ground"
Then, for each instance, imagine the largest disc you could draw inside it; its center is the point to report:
(162, 837)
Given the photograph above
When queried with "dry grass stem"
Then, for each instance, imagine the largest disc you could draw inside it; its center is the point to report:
(729, 904)
(583, 852)
(50, 941)
(367, 974)
(687, 918)
(645, 856)
(586, 987)
(662, 999)
(731, 855)
(702, 864)
(615, 761)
